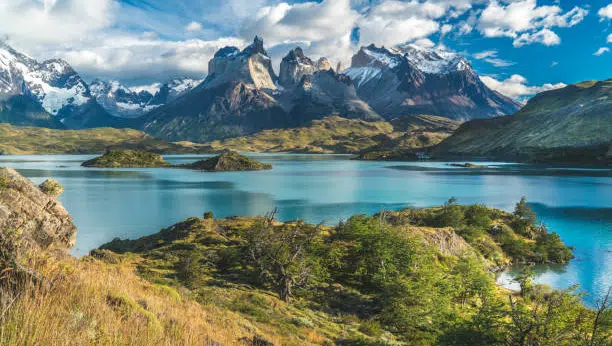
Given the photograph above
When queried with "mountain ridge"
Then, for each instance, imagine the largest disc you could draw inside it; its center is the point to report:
(571, 124)
(416, 80)
(242, 94)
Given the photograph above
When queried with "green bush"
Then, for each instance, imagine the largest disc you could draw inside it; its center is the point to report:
(4, 181)
(371, 328)
(51, 187)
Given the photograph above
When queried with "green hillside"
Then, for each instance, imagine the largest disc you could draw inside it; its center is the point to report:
(568, 125)
(16, 140)
(340, 135)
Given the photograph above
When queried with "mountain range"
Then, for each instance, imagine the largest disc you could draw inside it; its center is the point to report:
(52, 94)
(243, 95)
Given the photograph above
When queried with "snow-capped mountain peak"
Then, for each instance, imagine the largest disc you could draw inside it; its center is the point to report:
(434, 61)
(125, 102)
(53, 82)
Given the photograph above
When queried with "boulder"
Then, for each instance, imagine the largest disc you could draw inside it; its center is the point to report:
(38, 220)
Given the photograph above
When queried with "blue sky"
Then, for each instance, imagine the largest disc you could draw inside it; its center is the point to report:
(520, 47)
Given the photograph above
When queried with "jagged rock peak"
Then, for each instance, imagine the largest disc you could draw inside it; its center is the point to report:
(257, 47)
(296, 65)
(297, 56)
(323, 64)
(251, 65)
(228, 51)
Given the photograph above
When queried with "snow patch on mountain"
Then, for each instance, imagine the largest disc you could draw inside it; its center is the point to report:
(54, 99)
(389, 58)
(362, 75)
(434, 61)
(132, 102)
(53, 82)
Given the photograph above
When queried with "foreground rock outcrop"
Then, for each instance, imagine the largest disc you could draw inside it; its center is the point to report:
(37, 218)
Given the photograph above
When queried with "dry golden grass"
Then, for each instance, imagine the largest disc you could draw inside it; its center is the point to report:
(88, 302)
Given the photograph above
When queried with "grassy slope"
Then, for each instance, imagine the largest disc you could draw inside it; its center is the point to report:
(16, 140)
(339, 135)
(567, 124)
(330, 135)
(162, 289)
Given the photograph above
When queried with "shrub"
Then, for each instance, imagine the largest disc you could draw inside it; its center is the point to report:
(4, 181)
(208, 215)
(478, 216)
(51, 187)
(371, 328)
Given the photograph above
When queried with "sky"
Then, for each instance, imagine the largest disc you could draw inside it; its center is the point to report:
(519, 47)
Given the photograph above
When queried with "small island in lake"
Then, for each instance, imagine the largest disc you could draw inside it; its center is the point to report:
(467, 165)
(127, 159)
(228, 161)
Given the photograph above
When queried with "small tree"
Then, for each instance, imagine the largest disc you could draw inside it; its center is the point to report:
(451, 215)
(208, 215)
(525, 280)
(525, 218)
(282, 255)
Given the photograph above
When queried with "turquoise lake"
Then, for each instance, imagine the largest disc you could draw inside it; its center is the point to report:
(129, 203)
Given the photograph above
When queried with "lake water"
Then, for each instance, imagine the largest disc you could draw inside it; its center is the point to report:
(129, 203)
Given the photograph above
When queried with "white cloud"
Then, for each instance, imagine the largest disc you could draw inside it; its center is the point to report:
(445, 29)
(605, 12)
(53, 21)
(526, 22)
(322, 27)
(491, 57)
(516, 86)
(609, 38)
(601, 51)
(151, 88)
(193, 26)
(393, 22)
(310, 21)
(136, 60)
(141, 42)
(425, 43)
(544, 36)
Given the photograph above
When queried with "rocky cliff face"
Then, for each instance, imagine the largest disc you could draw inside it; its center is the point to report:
(326, 92)
(252, 65)
(414, 80)
(40, 221)
(240, 97)
(294, 66)
(227, 110)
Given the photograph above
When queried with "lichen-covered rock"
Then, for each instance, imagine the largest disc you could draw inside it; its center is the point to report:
(228, 161)
(37, 218)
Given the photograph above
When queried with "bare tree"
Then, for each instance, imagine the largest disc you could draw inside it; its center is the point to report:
(281, 255)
